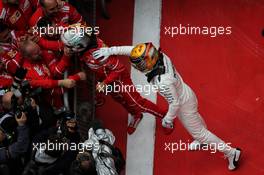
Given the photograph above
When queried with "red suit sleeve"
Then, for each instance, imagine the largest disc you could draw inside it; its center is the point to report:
(115, 68)
(45, 84)
(5, 81)
(36, 80)
(75, 77)
(75, 16)
(35, 17)
(57, 68)
(34, 4)
(51, 45)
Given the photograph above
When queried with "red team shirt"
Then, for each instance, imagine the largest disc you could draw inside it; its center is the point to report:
(66, 15)
(17, 17)
(42, 74)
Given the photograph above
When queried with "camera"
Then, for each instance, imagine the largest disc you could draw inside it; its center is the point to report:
(22, 92)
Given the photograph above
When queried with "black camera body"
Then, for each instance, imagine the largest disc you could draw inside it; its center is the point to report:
(22, 90)
(27, 93)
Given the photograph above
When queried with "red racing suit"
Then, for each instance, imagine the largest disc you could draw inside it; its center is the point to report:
(17, 17)
(66, 15)
(113, 72)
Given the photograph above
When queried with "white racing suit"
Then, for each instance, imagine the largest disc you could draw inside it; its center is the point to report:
(182, 102)
(104, 165)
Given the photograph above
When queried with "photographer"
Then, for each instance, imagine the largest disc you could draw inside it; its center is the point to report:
(15, 105)
(67, 132)
(43, 158)
(14, 142)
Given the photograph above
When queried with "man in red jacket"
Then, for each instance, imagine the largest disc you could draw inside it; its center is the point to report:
(45, 71)
(16, 13)
(110, 72)
(60, 12)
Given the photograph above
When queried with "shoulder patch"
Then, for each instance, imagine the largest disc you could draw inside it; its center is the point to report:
(15, 17)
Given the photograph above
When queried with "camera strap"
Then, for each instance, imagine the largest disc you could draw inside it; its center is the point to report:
(8, 115)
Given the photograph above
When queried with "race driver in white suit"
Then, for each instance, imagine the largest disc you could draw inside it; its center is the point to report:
(182, 100)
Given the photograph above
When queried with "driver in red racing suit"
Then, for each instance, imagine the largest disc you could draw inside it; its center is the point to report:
(111, 73)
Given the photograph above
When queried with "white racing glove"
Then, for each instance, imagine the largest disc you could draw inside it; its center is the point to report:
(104, 52)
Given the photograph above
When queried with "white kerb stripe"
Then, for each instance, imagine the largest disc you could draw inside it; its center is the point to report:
(141, 144)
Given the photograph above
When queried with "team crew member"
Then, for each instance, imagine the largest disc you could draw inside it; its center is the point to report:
(9, 48)
(110, 72)
(59, 12)
(44, 71)
(16, 13)
(182, 100)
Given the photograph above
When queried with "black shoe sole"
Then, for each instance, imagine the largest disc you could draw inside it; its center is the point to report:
(236, 162)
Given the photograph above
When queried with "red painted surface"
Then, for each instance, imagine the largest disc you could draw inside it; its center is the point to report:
(227, 74)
